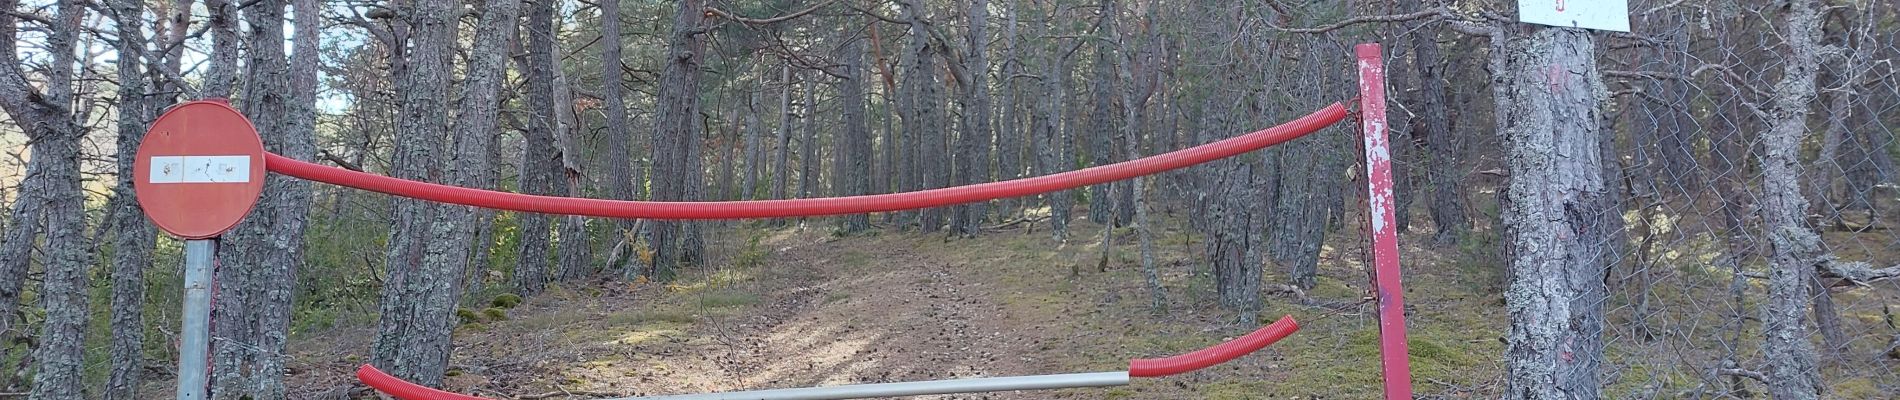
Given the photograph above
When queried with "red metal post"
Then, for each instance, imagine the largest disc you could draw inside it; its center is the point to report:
(1385, 238)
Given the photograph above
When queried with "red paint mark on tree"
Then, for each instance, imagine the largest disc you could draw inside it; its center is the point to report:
(1558, 78)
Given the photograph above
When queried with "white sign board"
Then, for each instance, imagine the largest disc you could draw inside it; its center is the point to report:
(201, 169)
(1609, 15)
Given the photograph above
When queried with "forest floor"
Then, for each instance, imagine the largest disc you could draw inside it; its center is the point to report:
(797, 306)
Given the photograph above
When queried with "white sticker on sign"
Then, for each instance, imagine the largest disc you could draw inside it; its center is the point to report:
(200, 169)
(1609, 15)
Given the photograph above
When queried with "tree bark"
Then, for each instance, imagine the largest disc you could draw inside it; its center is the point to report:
(1135, 98)
(808, 163)
(974, 144)
(50, 125)
(1795, 248)
(413, 329)
(287, 200)
(540, 161)
(1009, 127)
(1235, 242)
(782, 151)
(1101, 129)
(754, 148)
(574, 250)
(1051, 148)
(252, 309)
(1548, 94)
(923, 116)
(851, 153)
(676, 137)
(132, 236)
(464, 240)
(16, 251)
(728, 147)
(620, 175)
(1443, 170)
(221, 77)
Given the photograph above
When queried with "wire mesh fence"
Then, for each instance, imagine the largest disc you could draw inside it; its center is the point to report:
(1690, 93)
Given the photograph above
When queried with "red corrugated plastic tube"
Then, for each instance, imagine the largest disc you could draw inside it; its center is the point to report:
(809, 207)
(1142, 368)
(1220, 353)
(402, 389)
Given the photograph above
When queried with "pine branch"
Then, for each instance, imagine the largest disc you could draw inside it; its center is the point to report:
(772, 20)
(1423, 14)
(1855, 273)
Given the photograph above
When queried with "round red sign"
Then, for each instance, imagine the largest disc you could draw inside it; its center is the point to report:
(199, 170)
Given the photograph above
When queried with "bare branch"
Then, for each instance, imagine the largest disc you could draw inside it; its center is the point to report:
(340, 162)
(772, 20)
(1855, 273)
(1427, 13)
(1757, 376)
(41, 19)
(874, 14)
(1653, 10)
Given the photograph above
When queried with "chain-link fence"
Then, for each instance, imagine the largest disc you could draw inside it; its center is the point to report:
(1691, 92)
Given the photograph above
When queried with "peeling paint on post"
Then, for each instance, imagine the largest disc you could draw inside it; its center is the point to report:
(1396, 367)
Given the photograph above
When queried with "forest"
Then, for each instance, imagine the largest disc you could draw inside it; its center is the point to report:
(1701, 207)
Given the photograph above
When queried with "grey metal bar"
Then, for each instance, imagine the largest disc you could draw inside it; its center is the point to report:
(194, 349)
(972, 385)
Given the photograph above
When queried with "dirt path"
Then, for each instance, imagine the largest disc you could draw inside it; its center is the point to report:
(812, 310)
(901, 316)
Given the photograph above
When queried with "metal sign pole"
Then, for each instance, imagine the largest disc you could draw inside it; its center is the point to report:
(194, 351)
(1385, 238)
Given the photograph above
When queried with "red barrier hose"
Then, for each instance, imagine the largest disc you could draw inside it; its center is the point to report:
(404, 390)
(1146, 368)
(809, 207)
(1220, 353)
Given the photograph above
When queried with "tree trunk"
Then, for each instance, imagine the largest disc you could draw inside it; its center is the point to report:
(1795, 248)
(51, 126)
(808, 163)
(63, 293)
(1548, 93)
(620, 175)
(1235, 242)
(1051, 149)
(132, 237)
(923, 115)
(16, 251)
(851, 153)
(220, 78)
(540, 161)
(676, 136)
(727, 149)
(886, 180)
(1009, 127)
(754, 148)
(574, 251)
(412, 340)
(1101, 129)
(289, 198)
(1432, 121)
(1300, 196)
(476, 155)
(974, 145)
(782, 152)
(1134, 99)
(252, 311)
